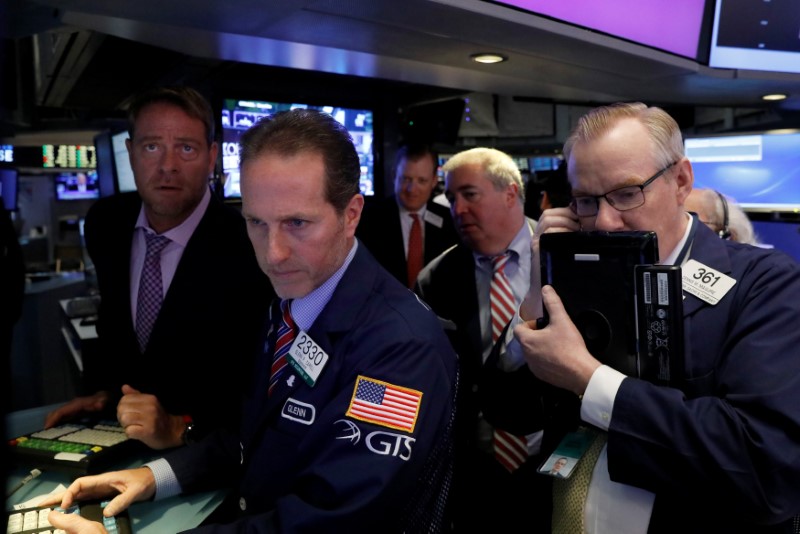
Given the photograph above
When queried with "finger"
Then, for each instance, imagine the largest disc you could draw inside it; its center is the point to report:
(61, 520)
(119, 504)
(128, 390)
(51, 499)
(553, 304)
(52, 418)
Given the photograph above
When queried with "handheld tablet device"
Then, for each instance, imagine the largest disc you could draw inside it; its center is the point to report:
(593, 274)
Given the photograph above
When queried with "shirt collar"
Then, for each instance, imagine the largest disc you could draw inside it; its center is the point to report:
(305, 310)
(404, 211)
(678, 251)
(183, 232)
(518, 245)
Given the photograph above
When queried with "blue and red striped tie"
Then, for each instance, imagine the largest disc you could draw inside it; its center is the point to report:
(287, 331)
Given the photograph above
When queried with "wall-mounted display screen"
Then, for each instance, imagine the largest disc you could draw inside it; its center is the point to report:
(69, 156)
(77, 185)
(756, 36)
(669, 25)
(238, 115)
(122, 163)
(760, 171)
(9, 187)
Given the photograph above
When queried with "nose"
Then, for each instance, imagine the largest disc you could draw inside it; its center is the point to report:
(169, 161)
(608, 218)
(457, 206)
(276, 248)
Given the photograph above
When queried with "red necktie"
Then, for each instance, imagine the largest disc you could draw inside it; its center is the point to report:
(283, 342)
(510, 450)
(414, 260)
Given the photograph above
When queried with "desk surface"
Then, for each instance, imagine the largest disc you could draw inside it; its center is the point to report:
(169, 515)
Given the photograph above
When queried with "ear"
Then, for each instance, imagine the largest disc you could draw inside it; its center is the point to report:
(352, 214)
(512, 194)
(684, 179)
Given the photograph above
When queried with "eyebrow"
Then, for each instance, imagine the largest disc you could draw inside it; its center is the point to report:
(150, 138)
(633, 180)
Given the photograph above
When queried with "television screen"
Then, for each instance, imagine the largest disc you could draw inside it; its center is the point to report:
(122, 164)
(755, 36)
(77, 185)
(239, 115)
(663, 24)
(760, 171)
(105, 164)
(9, 187)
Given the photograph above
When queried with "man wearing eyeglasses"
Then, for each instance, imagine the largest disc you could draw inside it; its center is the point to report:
(407, 230)
(719, 452)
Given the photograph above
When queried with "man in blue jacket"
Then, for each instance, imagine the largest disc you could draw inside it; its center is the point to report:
(718, 451)
(349, 430)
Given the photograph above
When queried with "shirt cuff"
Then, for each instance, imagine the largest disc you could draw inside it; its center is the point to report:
(167, 484)
(598, 399)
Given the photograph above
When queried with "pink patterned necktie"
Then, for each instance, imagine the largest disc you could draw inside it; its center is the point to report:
(287, 331)
(510, 450)
(151, 289)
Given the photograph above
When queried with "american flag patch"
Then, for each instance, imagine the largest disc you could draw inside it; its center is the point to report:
(384, 404)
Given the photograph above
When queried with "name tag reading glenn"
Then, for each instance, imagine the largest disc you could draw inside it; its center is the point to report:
(307, 358)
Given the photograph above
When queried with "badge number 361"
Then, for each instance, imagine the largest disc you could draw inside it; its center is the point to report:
(705, 283)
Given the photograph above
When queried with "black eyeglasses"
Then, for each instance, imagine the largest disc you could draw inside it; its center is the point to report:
(622, 199)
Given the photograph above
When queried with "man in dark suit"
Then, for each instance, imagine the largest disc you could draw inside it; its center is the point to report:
(353, 433)
(717, 450)
(484, 187)
(184, 380)
(388, 227)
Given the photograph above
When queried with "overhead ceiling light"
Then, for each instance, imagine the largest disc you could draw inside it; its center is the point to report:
(488, 58)
(774, 97)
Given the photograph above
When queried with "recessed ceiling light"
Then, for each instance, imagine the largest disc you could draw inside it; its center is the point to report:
(488, 58)
(774, 97)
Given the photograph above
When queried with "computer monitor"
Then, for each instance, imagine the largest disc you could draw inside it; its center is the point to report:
(761, 171)
(9, 188)
(79, 185)
(105, 163)
(755, 36)
(238, 115)
(667, 25)
(122, 163)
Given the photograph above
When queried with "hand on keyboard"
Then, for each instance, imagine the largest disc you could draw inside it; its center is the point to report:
(75, 524)
(77, 406)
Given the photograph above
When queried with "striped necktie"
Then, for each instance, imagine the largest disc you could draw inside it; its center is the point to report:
(151, 288)
(283, 342)
(510, 450)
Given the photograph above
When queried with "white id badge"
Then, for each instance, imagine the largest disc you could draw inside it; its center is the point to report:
(705, 283)
(307, 358)
(572, 447)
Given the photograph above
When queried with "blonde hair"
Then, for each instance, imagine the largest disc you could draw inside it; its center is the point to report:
(663, 129)
(500, 169)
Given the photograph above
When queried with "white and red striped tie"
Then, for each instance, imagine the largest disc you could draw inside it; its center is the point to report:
(510, 450)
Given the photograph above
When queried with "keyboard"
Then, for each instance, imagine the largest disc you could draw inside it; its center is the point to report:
(76, 448)
(82, 307)
(34, 520)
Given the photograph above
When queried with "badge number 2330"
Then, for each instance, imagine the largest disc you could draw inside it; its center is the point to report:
(307, 358)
